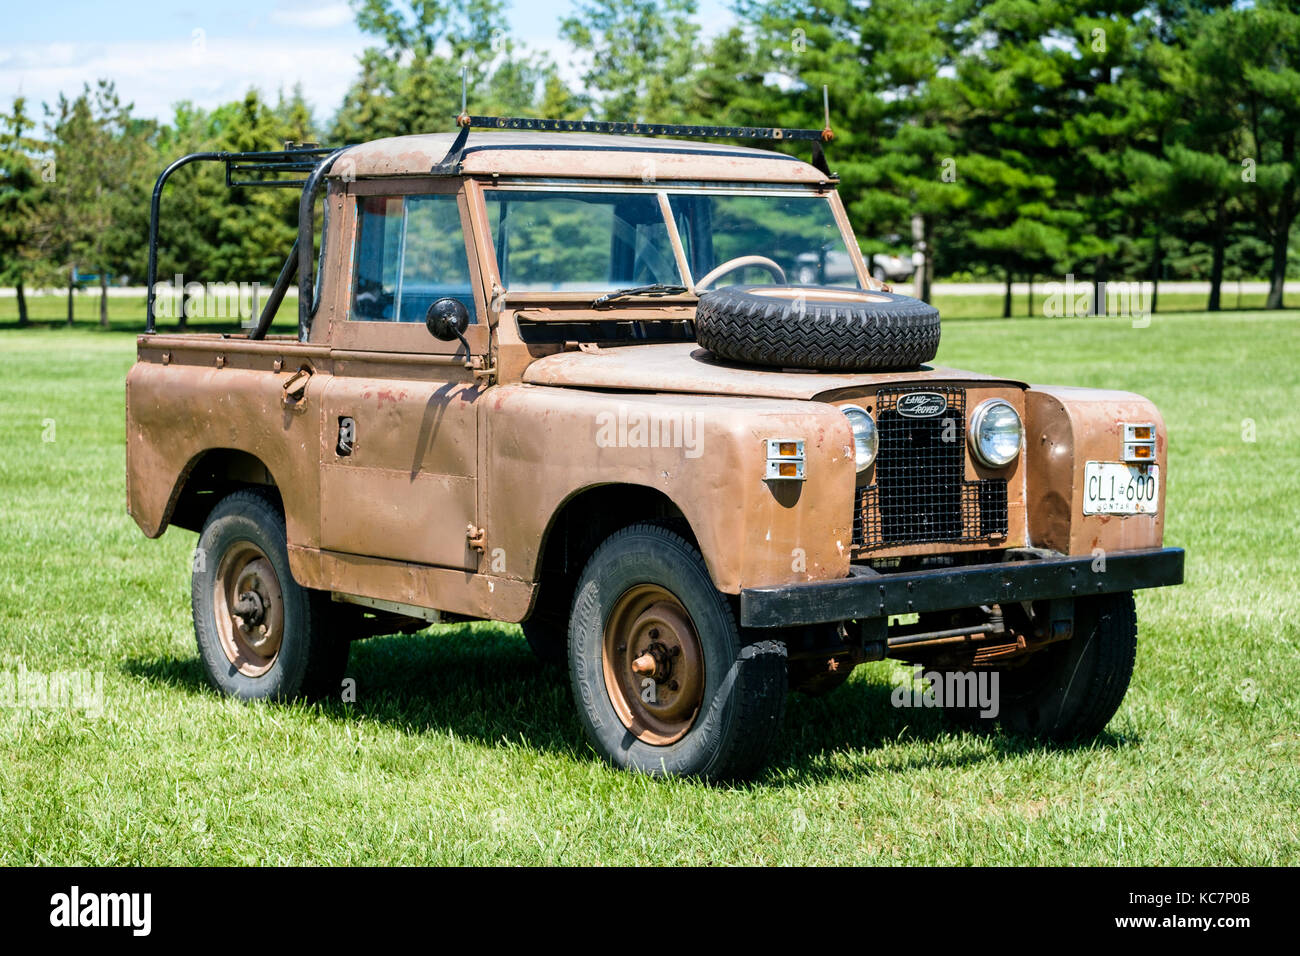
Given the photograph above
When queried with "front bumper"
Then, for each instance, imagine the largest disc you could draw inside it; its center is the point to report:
(868, 594)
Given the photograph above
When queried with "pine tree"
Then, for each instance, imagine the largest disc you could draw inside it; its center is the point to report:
(1248, 59)
(894, 105)
(643, 56)
(410, 80)
(20, 191)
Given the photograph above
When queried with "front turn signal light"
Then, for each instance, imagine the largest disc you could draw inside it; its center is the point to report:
(784, 459)
(1140, 442)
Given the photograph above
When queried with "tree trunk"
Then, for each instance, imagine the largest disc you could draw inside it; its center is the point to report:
(929, 262)
(1286, 213)
(1006, 300)
(1277, 274)
(103, 298)
(71, 272)
(921, 278)
(1216, 261)
(1029, 308)
(22, 304)
(1157, 266)
(1100, 271)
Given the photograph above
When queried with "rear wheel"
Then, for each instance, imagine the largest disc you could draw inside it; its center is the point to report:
(662, 680)
(259, 633)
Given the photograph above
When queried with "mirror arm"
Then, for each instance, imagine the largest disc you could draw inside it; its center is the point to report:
(469, 356)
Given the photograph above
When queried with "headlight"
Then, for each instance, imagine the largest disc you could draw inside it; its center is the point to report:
(865, 439)
(996, 433)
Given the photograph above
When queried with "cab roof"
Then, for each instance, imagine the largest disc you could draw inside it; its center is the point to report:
(569, 155)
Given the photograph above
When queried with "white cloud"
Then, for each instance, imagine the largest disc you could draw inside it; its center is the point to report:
(313, 18)
(154, 76)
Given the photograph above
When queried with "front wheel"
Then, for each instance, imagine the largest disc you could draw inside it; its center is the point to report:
(260, 634)
(662, 680)
(1071, 690)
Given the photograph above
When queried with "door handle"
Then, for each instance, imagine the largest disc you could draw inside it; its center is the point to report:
(347, 436)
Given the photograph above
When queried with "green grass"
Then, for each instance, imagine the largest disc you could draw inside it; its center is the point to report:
(990, 306)
(127, 314)
(460, 749)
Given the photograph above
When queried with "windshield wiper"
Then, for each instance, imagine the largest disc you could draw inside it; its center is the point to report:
(658, 288)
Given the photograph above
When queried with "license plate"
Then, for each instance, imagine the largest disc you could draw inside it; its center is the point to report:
(1118, 488)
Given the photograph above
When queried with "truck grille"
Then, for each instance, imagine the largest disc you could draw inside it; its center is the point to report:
(921, 495)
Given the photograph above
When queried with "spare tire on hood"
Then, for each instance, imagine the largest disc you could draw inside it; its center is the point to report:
(817, 327)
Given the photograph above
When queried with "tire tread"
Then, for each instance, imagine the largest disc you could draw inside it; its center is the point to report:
(736, 324)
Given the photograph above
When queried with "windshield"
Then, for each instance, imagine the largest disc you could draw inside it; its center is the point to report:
(600, 241)
(798, 233)
(580, 241)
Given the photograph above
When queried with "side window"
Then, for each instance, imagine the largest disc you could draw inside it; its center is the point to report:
(379, 232)
(410, 252)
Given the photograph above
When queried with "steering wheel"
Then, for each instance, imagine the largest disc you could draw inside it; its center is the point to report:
(740, 262)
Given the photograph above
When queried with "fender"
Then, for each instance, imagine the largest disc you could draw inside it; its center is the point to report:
(1065, 427)
(706, 454)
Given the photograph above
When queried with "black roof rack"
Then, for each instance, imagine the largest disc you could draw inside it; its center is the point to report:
(642, 129)
(450, 163)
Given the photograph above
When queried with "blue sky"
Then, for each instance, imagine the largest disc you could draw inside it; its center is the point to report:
(210, 52)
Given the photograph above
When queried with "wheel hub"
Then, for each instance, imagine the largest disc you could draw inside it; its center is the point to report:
(249, 608)
(657, 660)
(653, 665)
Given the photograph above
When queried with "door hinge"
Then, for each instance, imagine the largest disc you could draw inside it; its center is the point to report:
(476, 537)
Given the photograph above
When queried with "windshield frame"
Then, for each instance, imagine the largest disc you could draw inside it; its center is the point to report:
(662, 190)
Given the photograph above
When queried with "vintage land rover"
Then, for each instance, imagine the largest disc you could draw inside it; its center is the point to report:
(553, 374)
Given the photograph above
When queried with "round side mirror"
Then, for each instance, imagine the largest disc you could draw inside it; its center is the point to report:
(447, 319)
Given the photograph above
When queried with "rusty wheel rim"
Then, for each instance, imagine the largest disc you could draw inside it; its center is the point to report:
(653, 665)
(249, 609)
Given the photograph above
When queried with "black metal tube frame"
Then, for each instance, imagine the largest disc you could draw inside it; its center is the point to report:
(317, 160)
(268, 162)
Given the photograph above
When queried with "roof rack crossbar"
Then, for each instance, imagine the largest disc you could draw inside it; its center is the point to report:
(643, 129)
(265, 166)
(451, 162)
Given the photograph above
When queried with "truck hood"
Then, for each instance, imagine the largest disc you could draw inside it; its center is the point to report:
(685, 367)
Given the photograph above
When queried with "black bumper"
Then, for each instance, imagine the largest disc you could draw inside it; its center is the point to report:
(870, 594)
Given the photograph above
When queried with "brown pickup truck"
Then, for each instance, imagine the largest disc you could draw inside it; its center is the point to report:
(561, 379)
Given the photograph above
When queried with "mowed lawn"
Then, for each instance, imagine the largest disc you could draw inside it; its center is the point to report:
(461, 749)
